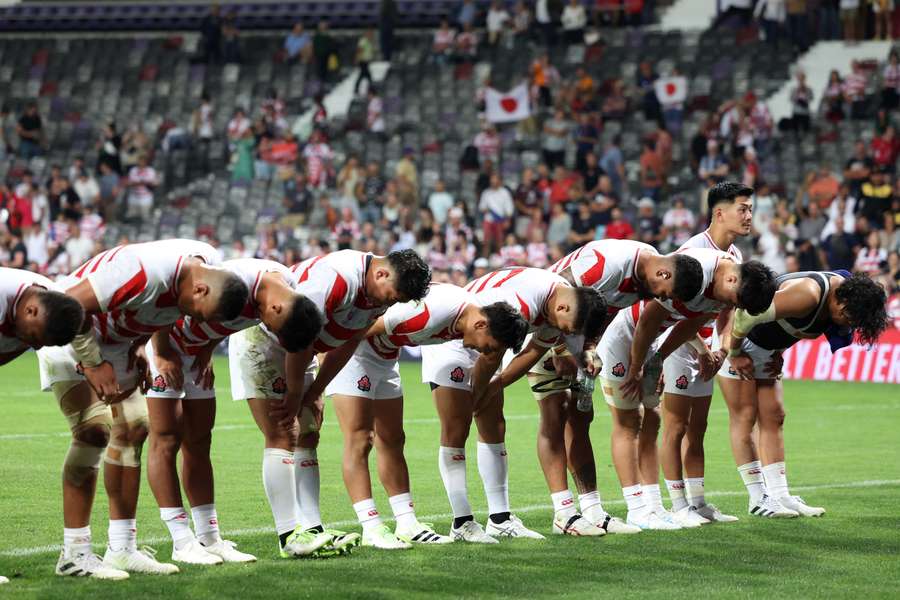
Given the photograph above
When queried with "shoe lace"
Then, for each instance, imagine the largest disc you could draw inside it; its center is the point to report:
(91, 562)
(148, 551)
(472, 527)
(428, 526)
(798, 499)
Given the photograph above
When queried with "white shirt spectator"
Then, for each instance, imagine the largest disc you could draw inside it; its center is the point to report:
(574, 17)
(79, 249)
(488, 145)
(40, 209)
(375, 115)
(36, 246)
(141, 194)
(867, 261)
(91, 225)
(497, 204)
(443, 40)
(440, 203)
(87, 189)
(538, 255)
(237, 126)
(542, 12)
(680, 222)
(205, 123)
(496, 19)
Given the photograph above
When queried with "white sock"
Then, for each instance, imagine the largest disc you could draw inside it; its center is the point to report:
(306, 476)
(177, 523)
(676, 494)
(452, 465)
(653, 496)
(751, 474)
(404, 512)
(591, 507)
(634, 498)
(563, 504)
(694, 488)
(493, 466)
(206, 523)
(367, 514)
(776, 480)
(278, 481)
(77, 541)
(123, 534)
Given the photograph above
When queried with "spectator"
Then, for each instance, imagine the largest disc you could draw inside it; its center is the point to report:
(615, 104)
(584, 228)
(496, 207)
(772, 15)
(871, 257)
(882, 10)
(673, 111)
(649, 226)
(243, 169)
(349, 178)
(574, 20)
(801, 101)
(840, 247)
(5, 142)
(211, 35)
(713, 167)
(619, 228)
(834, 97)
(521, 20)
(544, 77)
(764, 201)
(87, 188)
(512, 253)
(496, 21)
(375, 112)
(466, 45)
(67, 201)
(298, 200)
(561, 186)
(79, 246)
(854, 90)
(18, 253)
(613, 164)
(109, 147)
(346, 231)
(651, 171)
(679, 223)
(443, 42)
(108, 184)
(272, 112)
(876, 199)
(645, 79)
(238, 126)
(320, 111)
(36, 247)
(324, 216)
(324, 47)
(488, 143)
(142, 181)
(440, 201)
(890, 83)
(844, 209)
(373, 194)
(858, 168)
(536, 250)
(559, 227)
(822, 186)
(798, 28)
(231, 44)
(298, 44)
(318, 156)
(30, 129)
(590, 175)
(556, 134)
(407, 178)
(467, 14)
(587, 135)
(885, 148)
(202, 127)
(812, 222)
(529, 204)
(365, 54)
(751, 167)
(603, 203)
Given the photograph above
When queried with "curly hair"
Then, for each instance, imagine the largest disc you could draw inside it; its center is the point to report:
(506, 325)
(413, 275)
(302, 326)
(590, 312)
(688, 277)
(757, 287)
(863, 302)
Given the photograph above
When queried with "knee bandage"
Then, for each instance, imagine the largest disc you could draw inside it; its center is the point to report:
(82, 461)
(128, 432)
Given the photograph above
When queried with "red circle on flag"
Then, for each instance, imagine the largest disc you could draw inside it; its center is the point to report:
(509, 104)
(670, 89)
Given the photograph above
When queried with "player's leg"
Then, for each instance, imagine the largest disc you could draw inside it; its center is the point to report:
(693, 458)
(771, 446)
(90, 421)
(648, 460)
(676, 414)
(122, 478)
(197, 420)
(493, 466)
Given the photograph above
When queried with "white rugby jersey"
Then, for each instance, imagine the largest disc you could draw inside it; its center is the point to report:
(13, 282)
(704, 240)
(190, 335)
(135, 286)
(608, 266)
(431, 320)
(527, 290)
(336, 283)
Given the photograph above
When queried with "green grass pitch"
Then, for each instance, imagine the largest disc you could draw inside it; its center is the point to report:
(843, 453)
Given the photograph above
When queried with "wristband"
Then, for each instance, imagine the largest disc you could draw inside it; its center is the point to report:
(744, 321)
(87, 350)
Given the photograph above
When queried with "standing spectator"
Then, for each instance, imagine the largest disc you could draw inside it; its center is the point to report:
(407, 176)
(561, 186)
(772, 14)
(830, 20)
(346, 231)
(323, 49)
(373, 194)
(109, 191)
(812, 223)
(496, 21)
(142, 180)
(854, 89)
(651, 171)
(30, 129)
(858, 168)
(649, 226)
(211, 35)
(583, 228)
(273, 112)
(556, 134)
(870, 258)
(238, 126)
(466, 45)
(386, 20)
(467, 14)
(678, 223)
(298, 44)
(645, 79)
(109, 146)
(586, 138)
(202, 127)
(79, 246)
(876, 199)
(840, 248)
(349, 178)
(673, 111)
(885, 148)
(68, 202)
(488, 143)
(87, 188)
(545, 18)
(529, 203)
(619, 228)
(496, 207)
(543, 77)
(574, 20)
(36, 247)
(760, 121)
(603, 203)
(822, 186)
(801, 101)
(615, 104)
(713, 167)
(613, 164)
(883, 10)
(318, 156)
(521, 21)
(890, 83)
(443, 43)
(751, 167)
(440, 201)
(231, 44)
(834, 97)
(559, 227)
(365, 54)
(850, 19)
(590, 175)
(298, 200)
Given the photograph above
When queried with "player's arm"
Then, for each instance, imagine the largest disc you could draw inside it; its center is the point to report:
(202, 365)
(166, 358)
(334, 361)
(6, 357)
(99, 373)
(377, 328)
(484, 368)
(646, 330)
(295, 365)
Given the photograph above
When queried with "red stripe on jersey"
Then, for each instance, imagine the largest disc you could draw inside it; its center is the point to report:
(627, 286)
(134, 324)
(336, 297)
(114, 252)
(684, 310)
(130, 290)
(339, 332)
(483, 283)
(593, 275)
(526, 314)
(321, 346)
(512, 273)
(415, 324)
(705, 332)
(400, 340)
(220, 329)
(636, 312)
(305, 275)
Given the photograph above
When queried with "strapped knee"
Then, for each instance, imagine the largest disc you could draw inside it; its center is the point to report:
(82, 462)
(129, 431)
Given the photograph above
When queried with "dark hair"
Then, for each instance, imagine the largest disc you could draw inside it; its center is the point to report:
(863, 302)
(688, 277)
(232, 298)
(506, 325)
(757, 287)
(302, 326)
(63, 319)
(413, 275)
(726, 192)
(590, 312)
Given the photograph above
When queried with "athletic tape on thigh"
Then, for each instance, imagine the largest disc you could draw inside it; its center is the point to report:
(129, 431)
(547, 385)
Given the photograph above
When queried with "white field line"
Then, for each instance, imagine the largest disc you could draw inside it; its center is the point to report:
(434, 420)
(255, 531)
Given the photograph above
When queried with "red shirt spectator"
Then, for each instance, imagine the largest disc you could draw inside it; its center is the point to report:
(619, 229)
(559, 187)
(885, 148)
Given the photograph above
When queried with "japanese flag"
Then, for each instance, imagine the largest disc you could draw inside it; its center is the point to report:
(670, 90)
(509, 107)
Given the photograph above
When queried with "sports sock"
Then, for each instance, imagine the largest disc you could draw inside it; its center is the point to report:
(177, 523)
(206, 523)
(123, 534)
(776, 480)
(278, 481)
(367, 514)
(653, 496)
(452, 465)
(404, 512)
(494, 470)
(751, 474)
(563, 504)
(591, 507)
(676, 494)
(694, 488)
(306, 476)
(634, 498)
(77, 540)
(460, 521)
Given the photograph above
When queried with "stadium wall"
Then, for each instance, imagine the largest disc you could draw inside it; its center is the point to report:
(813, 360)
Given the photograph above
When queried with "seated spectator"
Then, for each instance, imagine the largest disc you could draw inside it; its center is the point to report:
(67, 201)
(840, 247)
(237, 127)
(811, 223)
(843, 208)
(870, 258)
(834, 97)
(764, 201)
(713, 167)
(591, 172)
(443, 42)
(407, 177)
(298, 44)
(885, 148)
(272, 112)
(231, 43)
(466, 45)
(649, 226)
(346, 231)
(876, 199)
(555, 139)
(496, 22)
(761, 122)
(651, 171)
(574, 20)
(750, 167)
(496, 207)
(679, 223)
(645, 77)
(536, 250)
(135, 144)
(583, 226)
(854, 90)
(858, 168)
(79, 246)
(544, 77)
(318, 156)
(587, 135)
(619, 228)
(513, 253)
(349, 178)
(488, 143)
(298, 199)
(561, 186)
(615, 104)
(604, 201)
(673, 110)
(801, 103)
(30, 129)
(890, 83)
(87, 188)
(822, 186)
(559, 227)
(613, 164)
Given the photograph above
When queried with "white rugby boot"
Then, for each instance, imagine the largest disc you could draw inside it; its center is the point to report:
(576, 525)
(511, 528)
(472, 532)
(688, 517)
(797, 504)
(770, 508)
(87, 564)
(383, 538)
(194, 553)
(422, 533)
(139, 560)
(228, 552)
(615, 525)
(711, 513)
(648, 519)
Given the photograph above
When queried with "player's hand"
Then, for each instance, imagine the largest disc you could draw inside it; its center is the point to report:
(775, 365)
(565, 366)
(313, 410)
(743, 366)
(284, 410)
(170, 368)
(592, 362)
(660, 384)
(710, 363)
(202, 365)
(631, 385)
(103, 379)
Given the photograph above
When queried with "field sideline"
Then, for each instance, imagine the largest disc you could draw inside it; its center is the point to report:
(843, 453)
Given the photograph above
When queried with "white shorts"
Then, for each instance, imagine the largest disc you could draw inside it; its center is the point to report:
(760, 356)
(191, 391)
(256, 362)
(614, 351)
(543, 379)
(681, 373)
(59, 364)
(367, 375)
(448, 364)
